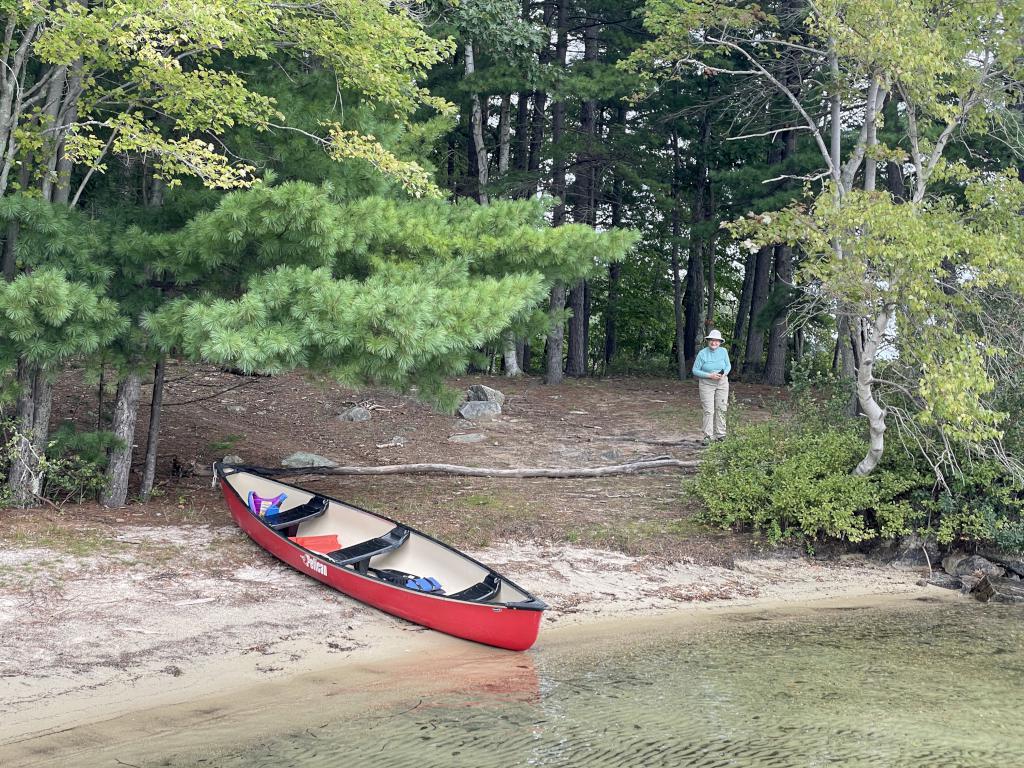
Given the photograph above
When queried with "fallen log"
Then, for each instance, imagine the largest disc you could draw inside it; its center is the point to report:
(647, 440)
(454, 469)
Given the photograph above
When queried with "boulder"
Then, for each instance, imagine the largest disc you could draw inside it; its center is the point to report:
(233, 458)
(484, 394)
(975, 565)
(952, 560)
(909, 552)
(940, 579)
(1014, 565)
(998, 590)
(355, 413)
(479, 409)
(303, 459)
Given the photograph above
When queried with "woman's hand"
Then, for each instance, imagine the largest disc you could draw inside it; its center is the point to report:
(715, 376)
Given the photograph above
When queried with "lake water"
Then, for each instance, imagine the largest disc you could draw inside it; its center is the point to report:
(916, 686)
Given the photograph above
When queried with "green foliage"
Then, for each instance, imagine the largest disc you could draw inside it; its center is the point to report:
(47, 319)
(180, 64)
(791, 479)
(396, 332)
(75, 463)
(930, 264)
(983, 504)
(73, 468)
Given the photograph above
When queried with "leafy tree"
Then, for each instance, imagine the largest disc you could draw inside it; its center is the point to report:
(955, 68)
(82, 83)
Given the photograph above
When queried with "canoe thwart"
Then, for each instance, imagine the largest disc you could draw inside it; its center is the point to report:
(481, 591)
(289, 517)
(359, 554)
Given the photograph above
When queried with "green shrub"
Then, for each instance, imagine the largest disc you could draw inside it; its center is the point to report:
(74, 467)
(983, 504)
(791, 479)
(75, 463)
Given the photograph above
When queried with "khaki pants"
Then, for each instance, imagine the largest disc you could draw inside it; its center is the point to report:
(714, 399)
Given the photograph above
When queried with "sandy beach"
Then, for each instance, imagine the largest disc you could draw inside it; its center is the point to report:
(167, 607)
(119, 638)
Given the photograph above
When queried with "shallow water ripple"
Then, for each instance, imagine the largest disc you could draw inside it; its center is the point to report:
(897, 688)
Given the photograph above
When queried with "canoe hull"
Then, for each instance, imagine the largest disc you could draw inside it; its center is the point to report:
(502, 626)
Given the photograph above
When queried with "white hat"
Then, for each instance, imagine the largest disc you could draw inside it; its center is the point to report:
(717, 335)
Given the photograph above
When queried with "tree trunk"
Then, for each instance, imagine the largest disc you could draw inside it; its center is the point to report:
(556, 334)
(842, 360)
(10, 257)
(611, 312)
(758, 298)
(504, 134)
(614, 269)
(693, 306)
(709, 315)
(153, 435)
(511, 357)
(868, 405)
(558, 116)
(739, 330)
(583, 211)
(778, 339)
(682, 319)
(32, 422)
(540, 100)
(477, 130)
(694, 297)
(576, 359)
(126, 411)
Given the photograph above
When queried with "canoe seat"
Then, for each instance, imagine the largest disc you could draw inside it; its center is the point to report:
(289, 517)
(359, 554)
(481, 591)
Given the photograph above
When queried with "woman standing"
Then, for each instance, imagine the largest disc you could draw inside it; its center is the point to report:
(712, 368)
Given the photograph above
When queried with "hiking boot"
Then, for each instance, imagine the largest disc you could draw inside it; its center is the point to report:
(705, 442)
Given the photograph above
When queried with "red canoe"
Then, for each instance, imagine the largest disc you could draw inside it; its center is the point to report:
(381, 562)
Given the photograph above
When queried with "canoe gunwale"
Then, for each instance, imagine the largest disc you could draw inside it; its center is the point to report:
(221, 471)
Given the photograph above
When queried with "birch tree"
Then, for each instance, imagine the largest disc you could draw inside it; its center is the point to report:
(955, 68)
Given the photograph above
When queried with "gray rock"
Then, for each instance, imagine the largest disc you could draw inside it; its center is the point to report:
(969, 581)
(909, 552)
(471, 437)
(952, 560)
(236, 408)
(395, 442)
(355, 413)
(1015, 565)
(940, 579)
(975, 565)
(303, 459)
(233, 458)
(479, 409)
(484, 394)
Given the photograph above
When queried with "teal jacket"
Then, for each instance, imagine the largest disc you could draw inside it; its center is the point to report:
(709, 362)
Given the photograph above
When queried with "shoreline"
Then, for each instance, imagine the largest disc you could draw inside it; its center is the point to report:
(149, 728)
(82, 664)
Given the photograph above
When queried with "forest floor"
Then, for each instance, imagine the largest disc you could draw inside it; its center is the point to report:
(101, 610)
